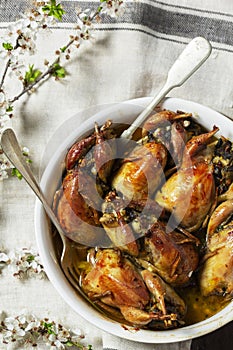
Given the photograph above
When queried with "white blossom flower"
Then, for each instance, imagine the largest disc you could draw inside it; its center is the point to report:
(3, 175)
(4, 162)
(24, 262)
(77, 335)
(4, 116)
(84, 28)
(29, 330)
(5, 166)
(14, 329)
(113, 8)
(5, 54)
(86, 16)
(27, 43)
(25, 150)
(85, 32)
(33, 323)
(59, 345)
(4, 257)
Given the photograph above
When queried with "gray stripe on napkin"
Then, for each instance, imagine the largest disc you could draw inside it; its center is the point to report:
(153, 16)
(158, 36)
(13, 9)
(191, 9)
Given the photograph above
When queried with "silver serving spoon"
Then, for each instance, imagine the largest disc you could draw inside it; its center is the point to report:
(70, 249)
(193, 56)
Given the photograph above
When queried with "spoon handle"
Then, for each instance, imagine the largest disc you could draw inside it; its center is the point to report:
(11, 148)
(193, 56)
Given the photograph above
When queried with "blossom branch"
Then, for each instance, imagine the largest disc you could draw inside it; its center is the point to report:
(86, 21)
(30, 331)
(5, 73)
(21, 40)
(23, 263)
(29, 87)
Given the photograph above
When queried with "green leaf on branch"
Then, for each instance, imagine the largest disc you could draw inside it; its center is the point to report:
(15, 172)
(49, 327)
(100, 8)
(30, 258)
(9, 109)
(70, 343)
(53, 9)
(31, 75)
(58, 71)
(7, 46)
(63, 49)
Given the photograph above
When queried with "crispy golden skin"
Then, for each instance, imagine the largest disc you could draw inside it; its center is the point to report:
(116, 282)
(141, 172)
(189, 193)
(75, 206)
(115, 275)
(173, 255)
(216, 275)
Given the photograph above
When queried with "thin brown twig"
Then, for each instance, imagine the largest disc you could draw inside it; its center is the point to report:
(5, 72)
(42, 76)
(30, 86)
